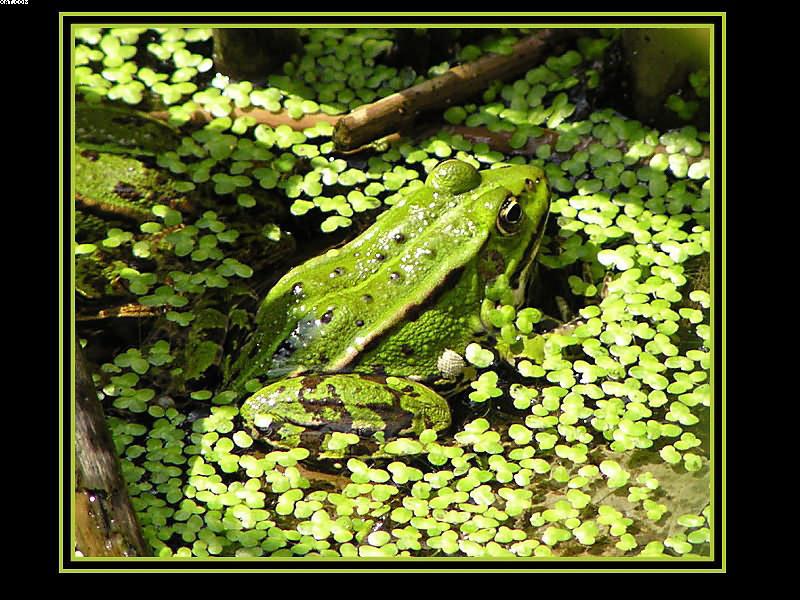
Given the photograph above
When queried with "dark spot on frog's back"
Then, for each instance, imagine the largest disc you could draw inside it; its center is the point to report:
(327, 316)
(127, 191)
(409, 390)
(407, 350)
(393, 419)
(311, 381)
(325, 394)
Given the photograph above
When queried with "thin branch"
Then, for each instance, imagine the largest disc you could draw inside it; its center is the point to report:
(399, 110)
(262, 117)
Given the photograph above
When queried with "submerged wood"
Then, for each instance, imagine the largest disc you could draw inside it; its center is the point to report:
(131, 311)
(105, 522)
(110, 210)
(501, 142)
(262, 117)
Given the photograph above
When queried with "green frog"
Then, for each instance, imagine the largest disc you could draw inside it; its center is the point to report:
(368, 338)
(116, 191)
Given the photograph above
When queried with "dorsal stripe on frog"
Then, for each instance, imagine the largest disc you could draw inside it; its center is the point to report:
(337, 301)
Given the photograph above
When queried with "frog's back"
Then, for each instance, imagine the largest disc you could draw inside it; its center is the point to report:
(322, 314)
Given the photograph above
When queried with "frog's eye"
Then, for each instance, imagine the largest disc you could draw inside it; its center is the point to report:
(510, 216)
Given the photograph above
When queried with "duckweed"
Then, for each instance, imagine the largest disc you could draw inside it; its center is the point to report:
(625, 372)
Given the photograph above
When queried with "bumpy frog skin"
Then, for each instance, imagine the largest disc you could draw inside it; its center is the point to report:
(401, 300)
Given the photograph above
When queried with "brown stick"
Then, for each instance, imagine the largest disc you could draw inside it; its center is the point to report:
(110, 210)
(398, 110)
(336, 481)
(105, 522)
(501, 141)
(262, 117)
(458, 83)
(132, 310)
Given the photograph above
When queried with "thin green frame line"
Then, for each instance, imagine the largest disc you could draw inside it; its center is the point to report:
(714, 288)
(712, 143)
(388, 16)
(301, 25)
(61, 306)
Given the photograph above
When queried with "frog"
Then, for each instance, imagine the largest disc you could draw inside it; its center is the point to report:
(366, 342)
(118, 184)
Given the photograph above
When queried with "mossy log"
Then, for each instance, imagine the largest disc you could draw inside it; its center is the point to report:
(459, 83)
(105, 522)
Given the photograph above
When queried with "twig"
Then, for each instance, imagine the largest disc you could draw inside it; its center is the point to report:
(396, 111)
(262, 117)
(110, 210)
(135, 311)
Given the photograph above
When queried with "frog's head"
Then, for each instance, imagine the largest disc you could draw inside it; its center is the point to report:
(519, 198)
(512, 203)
